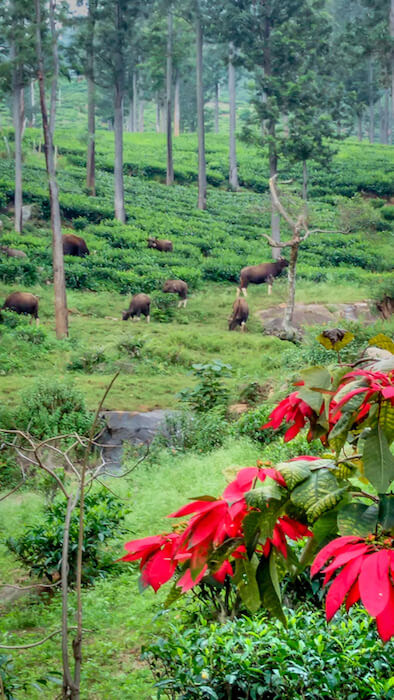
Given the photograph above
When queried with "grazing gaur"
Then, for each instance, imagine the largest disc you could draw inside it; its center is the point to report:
(12, 252)
(160, 244)
(22, 303)
(74, 245)
(177, 287)
(240, 315)
(140, 304)
(257, 274)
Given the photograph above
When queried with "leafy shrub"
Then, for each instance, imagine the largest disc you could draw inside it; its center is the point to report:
(80, 223)
(14, 270)
(88, 362)
(163, 307)
(258, 658)
(358, 214)
(210, 390)
(9, 682)
(388, 212)
(40, 546)
(53, 407)
(199, 432)
(131, 346)
(249, 425)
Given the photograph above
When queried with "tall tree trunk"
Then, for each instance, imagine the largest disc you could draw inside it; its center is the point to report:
(135, 100)
(157, 115)
(120, 213)
(55, 59)
(202, 177)
(61, 317)
(371, 102)
(141, 108)
(130, 116)
(289, 310)
(18, 121)
(216, 108)
(177, 110)
(386, 118)
(391, 22)
(32, 120)
(91, 152)
(304, 181)
(170, 163)
(233, 173)
(360, 127)
(272, 153)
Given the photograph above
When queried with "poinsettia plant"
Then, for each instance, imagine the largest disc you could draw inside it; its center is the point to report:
(340, 504)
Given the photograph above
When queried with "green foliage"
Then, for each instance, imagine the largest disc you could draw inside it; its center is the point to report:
(258, 658)
(9, 681)
(163, 307)
(88, 361)
(53, 407)
(198, 432)
(358, 214)
(210, 391)
(249, 424)
(39, 547)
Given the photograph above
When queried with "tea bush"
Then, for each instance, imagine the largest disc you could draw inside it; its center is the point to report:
(198, 432)
(251, 658)
(39, 547)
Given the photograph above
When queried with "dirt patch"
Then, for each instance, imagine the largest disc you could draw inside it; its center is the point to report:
(313, 314)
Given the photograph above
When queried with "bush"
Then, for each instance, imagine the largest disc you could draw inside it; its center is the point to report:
(163, 307)
(193, 431)
(40, 546)
(53, 407)
(210, 390)
(251, 658)
(90, 361)
(249, 425)
(358, 214)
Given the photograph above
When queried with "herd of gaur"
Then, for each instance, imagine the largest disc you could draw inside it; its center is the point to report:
(27, 303)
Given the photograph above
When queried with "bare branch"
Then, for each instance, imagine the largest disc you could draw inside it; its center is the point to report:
(278, 205)
(14, 489)
(277, 244)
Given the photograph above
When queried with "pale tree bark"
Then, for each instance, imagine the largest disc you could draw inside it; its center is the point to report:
(371, 103)
(360, 127)
(17, 90)
(55, 58)
(386, 117)
(141, 108)
(233, 172)
(135, 100)
(157, 115)
(32, 120)
(391, 23)
(202, 177)
(61, 315)
(170, 163)
(130, 116)
(216, 109)
(177, 109)
(91, 151)
(120, 213)
(304, 181)
(272, 154)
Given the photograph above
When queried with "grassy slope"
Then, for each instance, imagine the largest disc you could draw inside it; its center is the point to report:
(118, 618)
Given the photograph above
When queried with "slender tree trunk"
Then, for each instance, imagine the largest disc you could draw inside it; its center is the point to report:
(233, 173)
(61, 318)
(177, 110)
(304, 180)
(170, 163)
(91, 152)
(202, 177)
(141, 108)
(120, 213)
(163, 116)
(18, 118)
(391, 23)
(130, 121)
(386, 117)
(272, 153)
(360, 127)
(216, 108)
(371, 103)
(289, 310)
(135, 100)
(285, 118)
(55, 58)
(157, 115)
(32, 121)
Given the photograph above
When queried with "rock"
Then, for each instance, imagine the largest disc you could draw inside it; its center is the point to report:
(1, 224)
(131, 427)
(377, 353)
(27, 211)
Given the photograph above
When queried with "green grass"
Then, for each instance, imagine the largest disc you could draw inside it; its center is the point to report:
(118, 619)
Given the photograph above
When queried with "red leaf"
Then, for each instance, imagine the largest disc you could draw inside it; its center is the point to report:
(385, 620)
(339, 588)
(353, 595)
(159, 568)
(329, 550)
(194, 507)
(374, 582)
(346, 556)
(186, 582)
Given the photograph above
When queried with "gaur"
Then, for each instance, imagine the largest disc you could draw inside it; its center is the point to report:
(12, 252)
(177, 287)
(240, 315)
(257, 274)
(160, 244)
(22, 303)
(74, 245)
(140, 304)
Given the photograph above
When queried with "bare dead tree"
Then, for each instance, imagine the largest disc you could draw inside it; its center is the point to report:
(300, 233)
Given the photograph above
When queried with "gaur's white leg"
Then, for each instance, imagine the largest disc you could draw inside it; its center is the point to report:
(184, 303)
(238, 292)
(179, 304)
(269, 288)
(148, 318)
(37, 322)
(244, 292)
(242, 326)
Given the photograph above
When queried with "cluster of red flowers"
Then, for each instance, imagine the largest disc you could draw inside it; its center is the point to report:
(367, 573)
(213, 522)
(297, 412)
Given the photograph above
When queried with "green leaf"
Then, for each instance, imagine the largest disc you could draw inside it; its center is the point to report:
(331, 343)
(316, 378)
(174, 594)
(386, 512)
(382, 341)
(248, 589)
(268, 585)
(386, 420)
(313, 398)
(378, 460)
(251, 528)
(317, 494)
(357, 519)
(294, 472)
(268, 491)
(326, 527)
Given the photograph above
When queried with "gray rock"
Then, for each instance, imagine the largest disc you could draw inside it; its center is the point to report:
(129, 427)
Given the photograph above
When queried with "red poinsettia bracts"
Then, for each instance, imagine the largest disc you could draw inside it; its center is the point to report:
(285, 527)
(244, 480)
(293, 410)
(376, 384)
(157, 558)
(367, 573)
